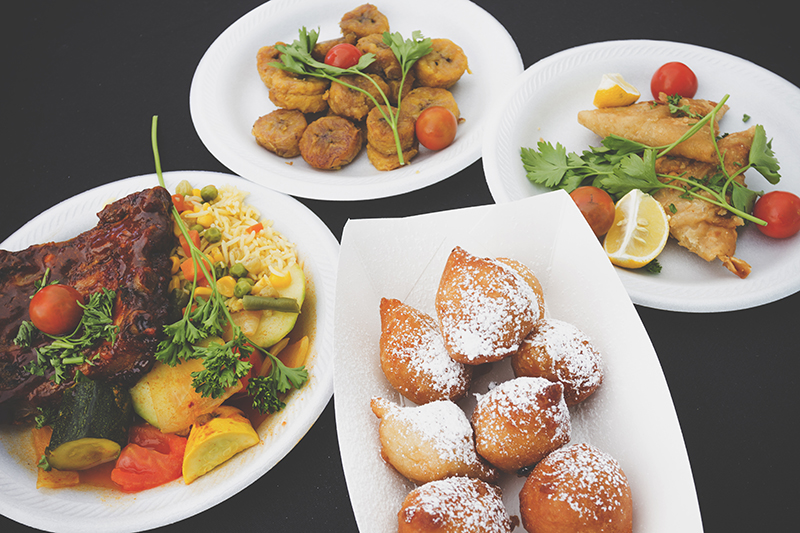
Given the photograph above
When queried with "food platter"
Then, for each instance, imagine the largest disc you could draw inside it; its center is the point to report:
(94, 509)
(631, 416)
(227, 95)
(544, 104)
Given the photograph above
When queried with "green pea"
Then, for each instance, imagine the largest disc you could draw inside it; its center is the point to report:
(212, 235)
(220, 269)
(179, 298)
(183, 188)
(208, 193)
(198, 228)
(238, 270)
(241, 288)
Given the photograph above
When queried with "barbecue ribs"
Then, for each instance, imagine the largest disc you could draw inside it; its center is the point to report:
(128, 252)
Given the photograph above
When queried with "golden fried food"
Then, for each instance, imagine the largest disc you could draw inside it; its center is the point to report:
(454, 505)
(399, 89)
(364, 20)
(303, 93)
(443, 66)
(528, 275)
(485, 308)
(520, 421)
(699, 226)
(322, 48)
(380, 135)
(280, 131)
(430, 442)
(652, 123)
(559, 351)
(385, 162)
(264, 58)
(421, 98)
(386, 63)
(351, 103)
(577, 488)
(330, 142)
(414, 359)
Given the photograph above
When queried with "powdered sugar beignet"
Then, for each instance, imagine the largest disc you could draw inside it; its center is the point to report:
(559, 351)
(429, 442)
(414, 359)
(485, 308)
(454, 505)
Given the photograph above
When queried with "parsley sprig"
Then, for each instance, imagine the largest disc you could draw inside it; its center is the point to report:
(297, 58)
(66, 351)
(620, 165)
(223, 364)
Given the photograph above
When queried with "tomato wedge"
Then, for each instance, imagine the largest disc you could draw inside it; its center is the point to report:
(150, 459)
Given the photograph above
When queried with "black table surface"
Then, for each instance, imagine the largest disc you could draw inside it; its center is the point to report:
(81, 81)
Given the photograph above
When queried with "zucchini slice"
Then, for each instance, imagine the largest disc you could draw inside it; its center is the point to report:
(90, 427)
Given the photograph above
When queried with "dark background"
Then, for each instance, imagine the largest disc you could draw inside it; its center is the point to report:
(81, 81)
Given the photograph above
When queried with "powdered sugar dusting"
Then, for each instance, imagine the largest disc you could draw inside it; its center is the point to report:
(468, 504)
(488, 310)
(445, 426)
(591, 482)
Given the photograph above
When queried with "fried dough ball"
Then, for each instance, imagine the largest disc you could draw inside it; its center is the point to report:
(520, 421)
(485, 308)
(421, 98)
(528, 275)
(351, 103)
(559, 351)
(386, 63)
(380, 135)
(443, 66)
(280, 131)
(454, 505)
(577, 488)
(265, 56)
(390, 161)
(304, 93)
(364, 20)
(430, 442)
(322, 48)
(330, 142)
(414, 359)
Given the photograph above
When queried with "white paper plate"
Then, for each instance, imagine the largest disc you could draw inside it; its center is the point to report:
(631, 416)
(92, 509)
(545, 105)
(227, 95)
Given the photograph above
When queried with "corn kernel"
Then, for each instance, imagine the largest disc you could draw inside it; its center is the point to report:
(225, 286)
(216, 255)
(202, 291)
(205, 220)
(196, 192)
(280, 282)
(176, 264)
(174, 283)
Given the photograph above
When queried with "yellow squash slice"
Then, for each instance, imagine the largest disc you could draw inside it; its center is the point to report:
(216, 438)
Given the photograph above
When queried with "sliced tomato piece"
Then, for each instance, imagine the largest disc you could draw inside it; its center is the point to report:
(150, 459)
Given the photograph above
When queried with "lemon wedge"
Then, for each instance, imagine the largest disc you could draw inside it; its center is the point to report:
(639, 232)
(615, 92)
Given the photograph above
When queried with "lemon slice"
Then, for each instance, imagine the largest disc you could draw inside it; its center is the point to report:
(615, 92)
(639, 232)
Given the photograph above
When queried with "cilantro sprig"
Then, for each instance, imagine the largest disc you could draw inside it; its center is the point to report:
(223, 364)
(297, 58)
(620, 165)
(63, 352)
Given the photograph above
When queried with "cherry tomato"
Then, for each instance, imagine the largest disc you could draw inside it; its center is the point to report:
(343, 55)
(781, 211)
(674, 78)
(436, 127)
(596, 206)
(56, 309)
(150, 459)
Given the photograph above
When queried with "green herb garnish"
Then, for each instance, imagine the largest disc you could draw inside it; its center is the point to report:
(620, 165)
(223, 364)
(297, 58)
(66, 351)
